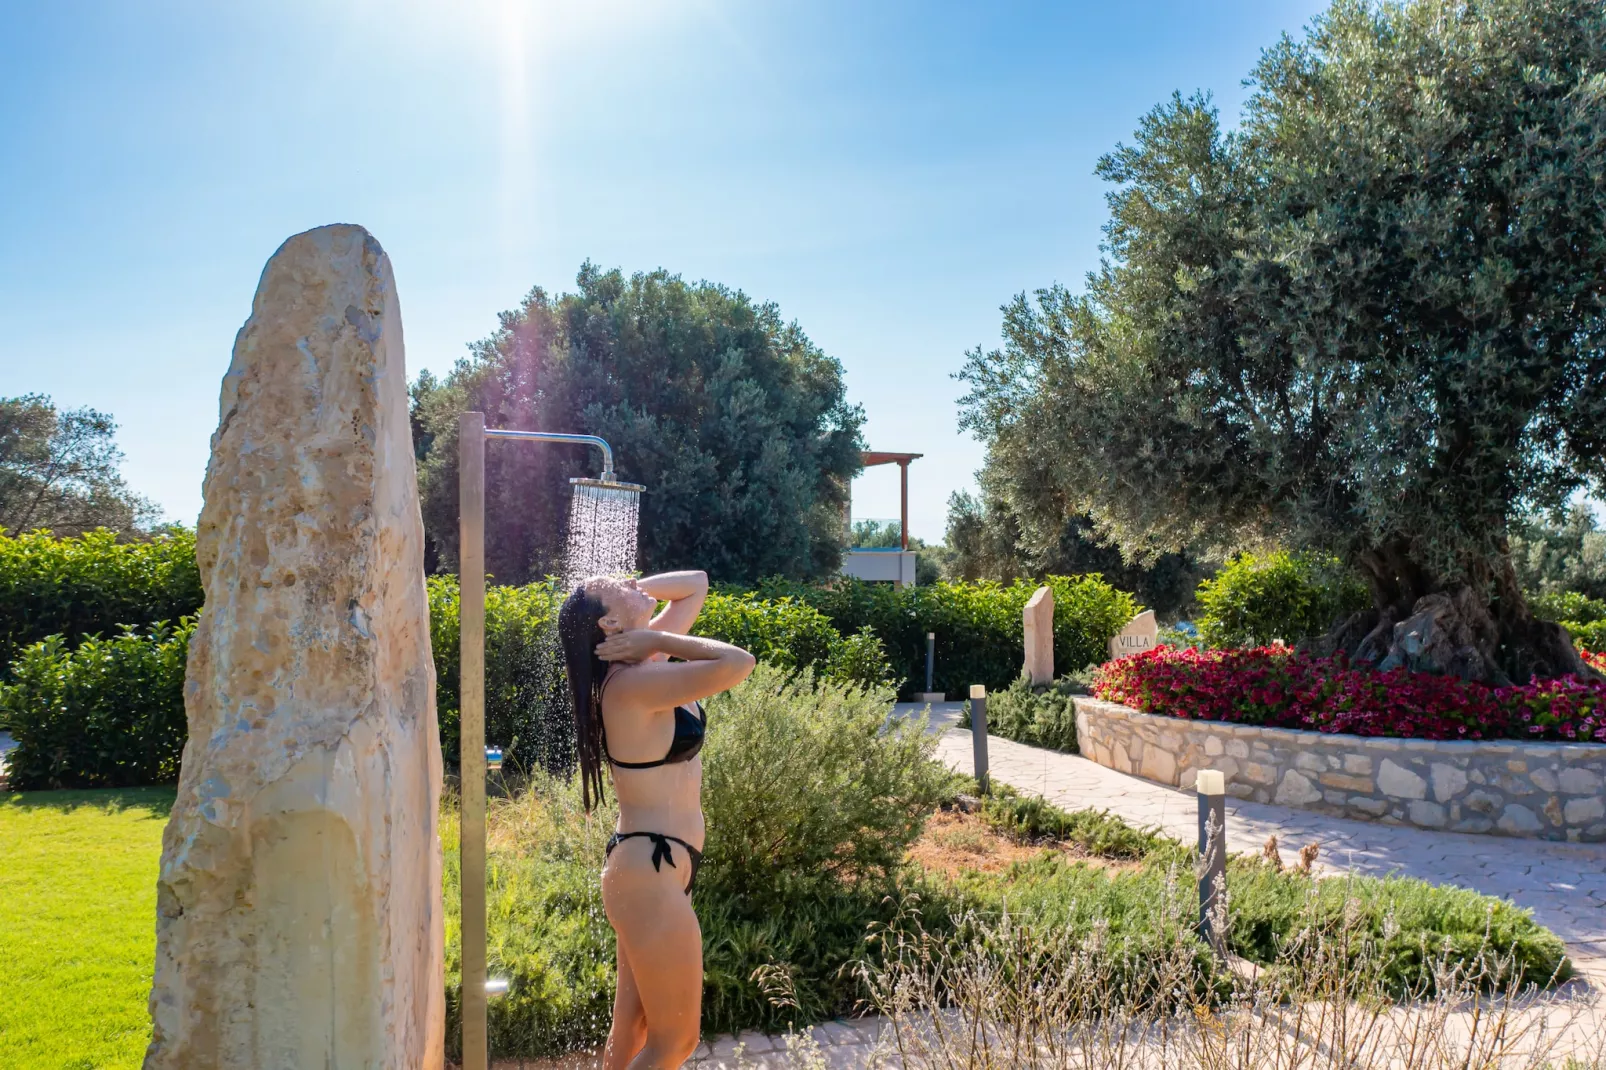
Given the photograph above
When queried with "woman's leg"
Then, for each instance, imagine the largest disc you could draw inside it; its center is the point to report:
(629, 1030)
(663, 944)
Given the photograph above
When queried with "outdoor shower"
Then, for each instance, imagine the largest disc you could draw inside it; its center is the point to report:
(600, 507)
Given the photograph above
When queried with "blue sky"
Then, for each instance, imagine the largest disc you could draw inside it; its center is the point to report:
(888, 173)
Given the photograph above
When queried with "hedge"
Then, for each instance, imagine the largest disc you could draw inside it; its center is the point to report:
(92, 585)
(108, 714)
(113, 699)
(978, 625)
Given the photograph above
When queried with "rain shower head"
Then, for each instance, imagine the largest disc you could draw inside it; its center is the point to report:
(606, 483)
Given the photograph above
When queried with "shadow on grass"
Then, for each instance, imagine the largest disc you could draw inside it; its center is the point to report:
(157, 801)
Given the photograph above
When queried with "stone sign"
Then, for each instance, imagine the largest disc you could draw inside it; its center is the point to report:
(299, 918)
(1140, 634)
(1037, 621)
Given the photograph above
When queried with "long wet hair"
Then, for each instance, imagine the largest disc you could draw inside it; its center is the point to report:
(580, 631)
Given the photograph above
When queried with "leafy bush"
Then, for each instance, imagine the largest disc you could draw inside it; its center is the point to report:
(1281, 688)
(807, 782)
(1256, 599)
(811, 803)
(978, 625)
(109, 714)
(92, 584)
(525, 713)
(860, 659)
(1043, 718)
(1582, 616)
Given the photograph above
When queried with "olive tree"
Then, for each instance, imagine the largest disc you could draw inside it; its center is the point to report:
(1370, 320)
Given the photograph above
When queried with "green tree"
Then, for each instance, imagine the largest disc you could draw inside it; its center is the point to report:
(1371, 321)
(1558, 556)
(987, 540)
(736, 423)
(59, 472)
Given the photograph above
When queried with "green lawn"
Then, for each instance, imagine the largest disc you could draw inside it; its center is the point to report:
(77, 926)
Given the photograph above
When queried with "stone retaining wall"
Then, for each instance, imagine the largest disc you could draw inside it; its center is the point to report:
(1548, 791)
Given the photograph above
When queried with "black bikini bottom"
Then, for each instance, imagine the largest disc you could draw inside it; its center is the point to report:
(660, 851)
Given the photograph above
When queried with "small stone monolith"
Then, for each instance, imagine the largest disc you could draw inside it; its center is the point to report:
(1037, 621)
(299, 919)
(1141, 633)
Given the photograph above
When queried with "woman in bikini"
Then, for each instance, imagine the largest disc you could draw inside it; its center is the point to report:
(639, 713)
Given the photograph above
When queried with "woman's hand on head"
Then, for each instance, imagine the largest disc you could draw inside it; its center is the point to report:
(632, 646)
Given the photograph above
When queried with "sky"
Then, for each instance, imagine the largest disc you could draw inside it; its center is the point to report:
(889, 174)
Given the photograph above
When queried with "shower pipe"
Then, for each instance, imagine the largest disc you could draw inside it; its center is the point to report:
(471, 436)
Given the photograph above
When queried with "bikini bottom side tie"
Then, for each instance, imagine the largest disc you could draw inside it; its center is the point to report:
(660, 851)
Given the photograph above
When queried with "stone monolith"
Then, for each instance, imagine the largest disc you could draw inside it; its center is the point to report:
(299, 917)
(1141, 633)
(1037, 626)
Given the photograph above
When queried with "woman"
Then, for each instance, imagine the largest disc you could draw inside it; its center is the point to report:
(638, 712)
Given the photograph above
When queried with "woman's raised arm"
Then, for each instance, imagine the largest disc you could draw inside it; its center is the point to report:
(684, 591)
(709, 667)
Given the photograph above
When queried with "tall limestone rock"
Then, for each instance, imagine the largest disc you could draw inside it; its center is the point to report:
(299, 919)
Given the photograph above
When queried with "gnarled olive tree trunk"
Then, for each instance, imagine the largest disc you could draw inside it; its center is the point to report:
(1476, 626)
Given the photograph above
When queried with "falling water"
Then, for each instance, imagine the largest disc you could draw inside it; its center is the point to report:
(528, 711)
(602, 530)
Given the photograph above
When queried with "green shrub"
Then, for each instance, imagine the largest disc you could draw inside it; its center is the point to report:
(1411, 920)
(108, 714)
(1408, 921)
(1042, 717)
(978, 625)
(1256, 599)
(808, 783)
(1582, 616)
(523, 672)
(91, 584)
(858, 659)
(1591, 636)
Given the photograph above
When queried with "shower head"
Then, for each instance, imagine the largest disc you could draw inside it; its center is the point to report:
(606, 483)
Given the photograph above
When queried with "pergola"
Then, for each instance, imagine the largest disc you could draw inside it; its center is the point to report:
(871, 458)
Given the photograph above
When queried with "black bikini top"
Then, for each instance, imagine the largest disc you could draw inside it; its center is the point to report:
(690, 725)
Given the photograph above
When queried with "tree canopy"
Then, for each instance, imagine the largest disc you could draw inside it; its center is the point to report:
(987, 540)
(59, 471)
(1370, 320)
(737, 424)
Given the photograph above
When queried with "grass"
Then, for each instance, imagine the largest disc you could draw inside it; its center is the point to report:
(78, 926)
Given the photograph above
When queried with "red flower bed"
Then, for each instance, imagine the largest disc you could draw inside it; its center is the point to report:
(1279, 688)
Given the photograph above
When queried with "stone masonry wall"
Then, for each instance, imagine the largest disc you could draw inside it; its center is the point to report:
(1549, 791)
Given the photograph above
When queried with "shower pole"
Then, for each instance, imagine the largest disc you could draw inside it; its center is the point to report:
(471, 728)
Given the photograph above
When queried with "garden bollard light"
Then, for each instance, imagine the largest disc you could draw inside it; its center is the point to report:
(978, 734)
(931, 655)
(1211, 786)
